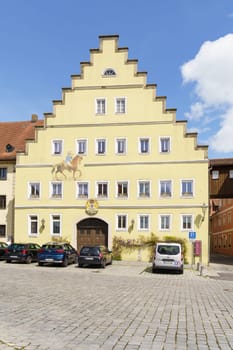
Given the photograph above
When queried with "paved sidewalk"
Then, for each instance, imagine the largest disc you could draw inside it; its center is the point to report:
(122, 307)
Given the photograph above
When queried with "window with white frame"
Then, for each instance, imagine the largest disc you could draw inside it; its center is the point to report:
(33, 225)
(82, 189)
(56, 224)
(165, 222)
(144, 145)
(34, 190)
(231, 174)
(215, 174)
(144, 222)
(2, 231)
(100, 106)
(165, 188)
(186, 223)
(57, 147)
(109, 72)
(82, 146)
(122, 189)
(165, 144)
(56, 189)
(187, 187)
(144, 189)
(121, 146)
(102, 189)
(101, 146)
(3, 173)
(120, 105)
(121, 222)
(2, 201)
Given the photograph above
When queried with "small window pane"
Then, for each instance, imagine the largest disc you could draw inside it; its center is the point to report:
(3, 173)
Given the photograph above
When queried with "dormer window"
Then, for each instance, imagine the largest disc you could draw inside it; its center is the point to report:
(109, 72)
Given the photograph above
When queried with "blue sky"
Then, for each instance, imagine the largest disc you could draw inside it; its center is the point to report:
(186, 47)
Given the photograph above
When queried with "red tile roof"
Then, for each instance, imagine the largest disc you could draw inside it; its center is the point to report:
(13, 136)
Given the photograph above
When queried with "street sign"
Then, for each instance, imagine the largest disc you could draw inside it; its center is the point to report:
(192, 235)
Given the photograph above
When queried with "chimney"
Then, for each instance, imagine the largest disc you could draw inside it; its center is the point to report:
(34, 118)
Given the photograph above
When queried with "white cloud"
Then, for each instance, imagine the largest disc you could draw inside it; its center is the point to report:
(211, 72)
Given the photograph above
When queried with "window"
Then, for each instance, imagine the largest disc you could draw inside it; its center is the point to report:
(231, 174)
(165, 222)
(144, 145)
(101, 146)
(215, 174)
(121, 222)
(3, 231)
(186, 222)
(82, 190)
(187, 187)
(56, 225)
(82, 147)
(3, 173)
(33, 225)
(144, 189)
(102, 189)
(122, 189)
(56, 189)
(2, 202)
(165, 144)
(34, 190)
(121, 146)
(165, 188)
(120, 105)
(143, 222)
(109, 72)
(57, 146)
(100, 106)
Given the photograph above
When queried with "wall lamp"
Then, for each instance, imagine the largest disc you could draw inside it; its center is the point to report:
(203, 208)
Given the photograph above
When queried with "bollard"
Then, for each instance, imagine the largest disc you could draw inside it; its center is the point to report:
(201, 270)
(198, 266)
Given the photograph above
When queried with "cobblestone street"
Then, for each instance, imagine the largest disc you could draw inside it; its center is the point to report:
(124, 306)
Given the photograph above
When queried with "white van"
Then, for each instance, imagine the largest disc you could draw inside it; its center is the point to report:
(168, 256)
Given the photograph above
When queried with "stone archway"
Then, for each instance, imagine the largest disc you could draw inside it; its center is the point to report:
(92, 231)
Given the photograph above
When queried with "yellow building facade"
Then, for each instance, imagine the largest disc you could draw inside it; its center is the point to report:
(111, 162)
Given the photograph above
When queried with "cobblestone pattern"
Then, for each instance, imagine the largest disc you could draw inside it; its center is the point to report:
(123, 307)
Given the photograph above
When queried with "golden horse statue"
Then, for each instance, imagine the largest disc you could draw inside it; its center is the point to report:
(73, 166)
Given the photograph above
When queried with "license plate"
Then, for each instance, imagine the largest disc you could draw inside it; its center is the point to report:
(13, 256)
(88, 258)
(49, 260)
(168, 262)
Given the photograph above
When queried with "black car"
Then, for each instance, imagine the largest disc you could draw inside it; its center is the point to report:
(3, 247)
(23, 252)
(61, 253)
(97, 255)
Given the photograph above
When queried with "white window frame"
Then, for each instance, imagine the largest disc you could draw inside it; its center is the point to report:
(165, 194)
(57, 147)
(142, 224)
(56, 195)
(184, 188)
(97, 142)
(103, 183)
(164, 217)
(30, 190)
(120, 105)
(30, 222)
(140, 148)
(163, 149)
(81, 185)
(100, 106)
(123, 216)
(215, 174)
(124, 184)
(124, 148)
(184, 222)
(52, 221)
(3, 173)
(144, 194)
(231, 173)
(79, 149)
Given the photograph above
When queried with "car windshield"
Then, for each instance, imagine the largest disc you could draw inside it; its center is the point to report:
(52, 246)
(17, 246)
(169, 249)
(90, 251)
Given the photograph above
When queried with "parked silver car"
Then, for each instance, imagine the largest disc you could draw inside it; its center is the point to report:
(168, 256)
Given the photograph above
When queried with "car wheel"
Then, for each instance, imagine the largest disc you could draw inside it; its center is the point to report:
(65, 263)
(40, 263)
(103, 264)
(80, 265)
(28, 259)
(8, 261)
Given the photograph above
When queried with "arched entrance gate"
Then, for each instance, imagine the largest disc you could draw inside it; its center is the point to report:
(92, 231)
